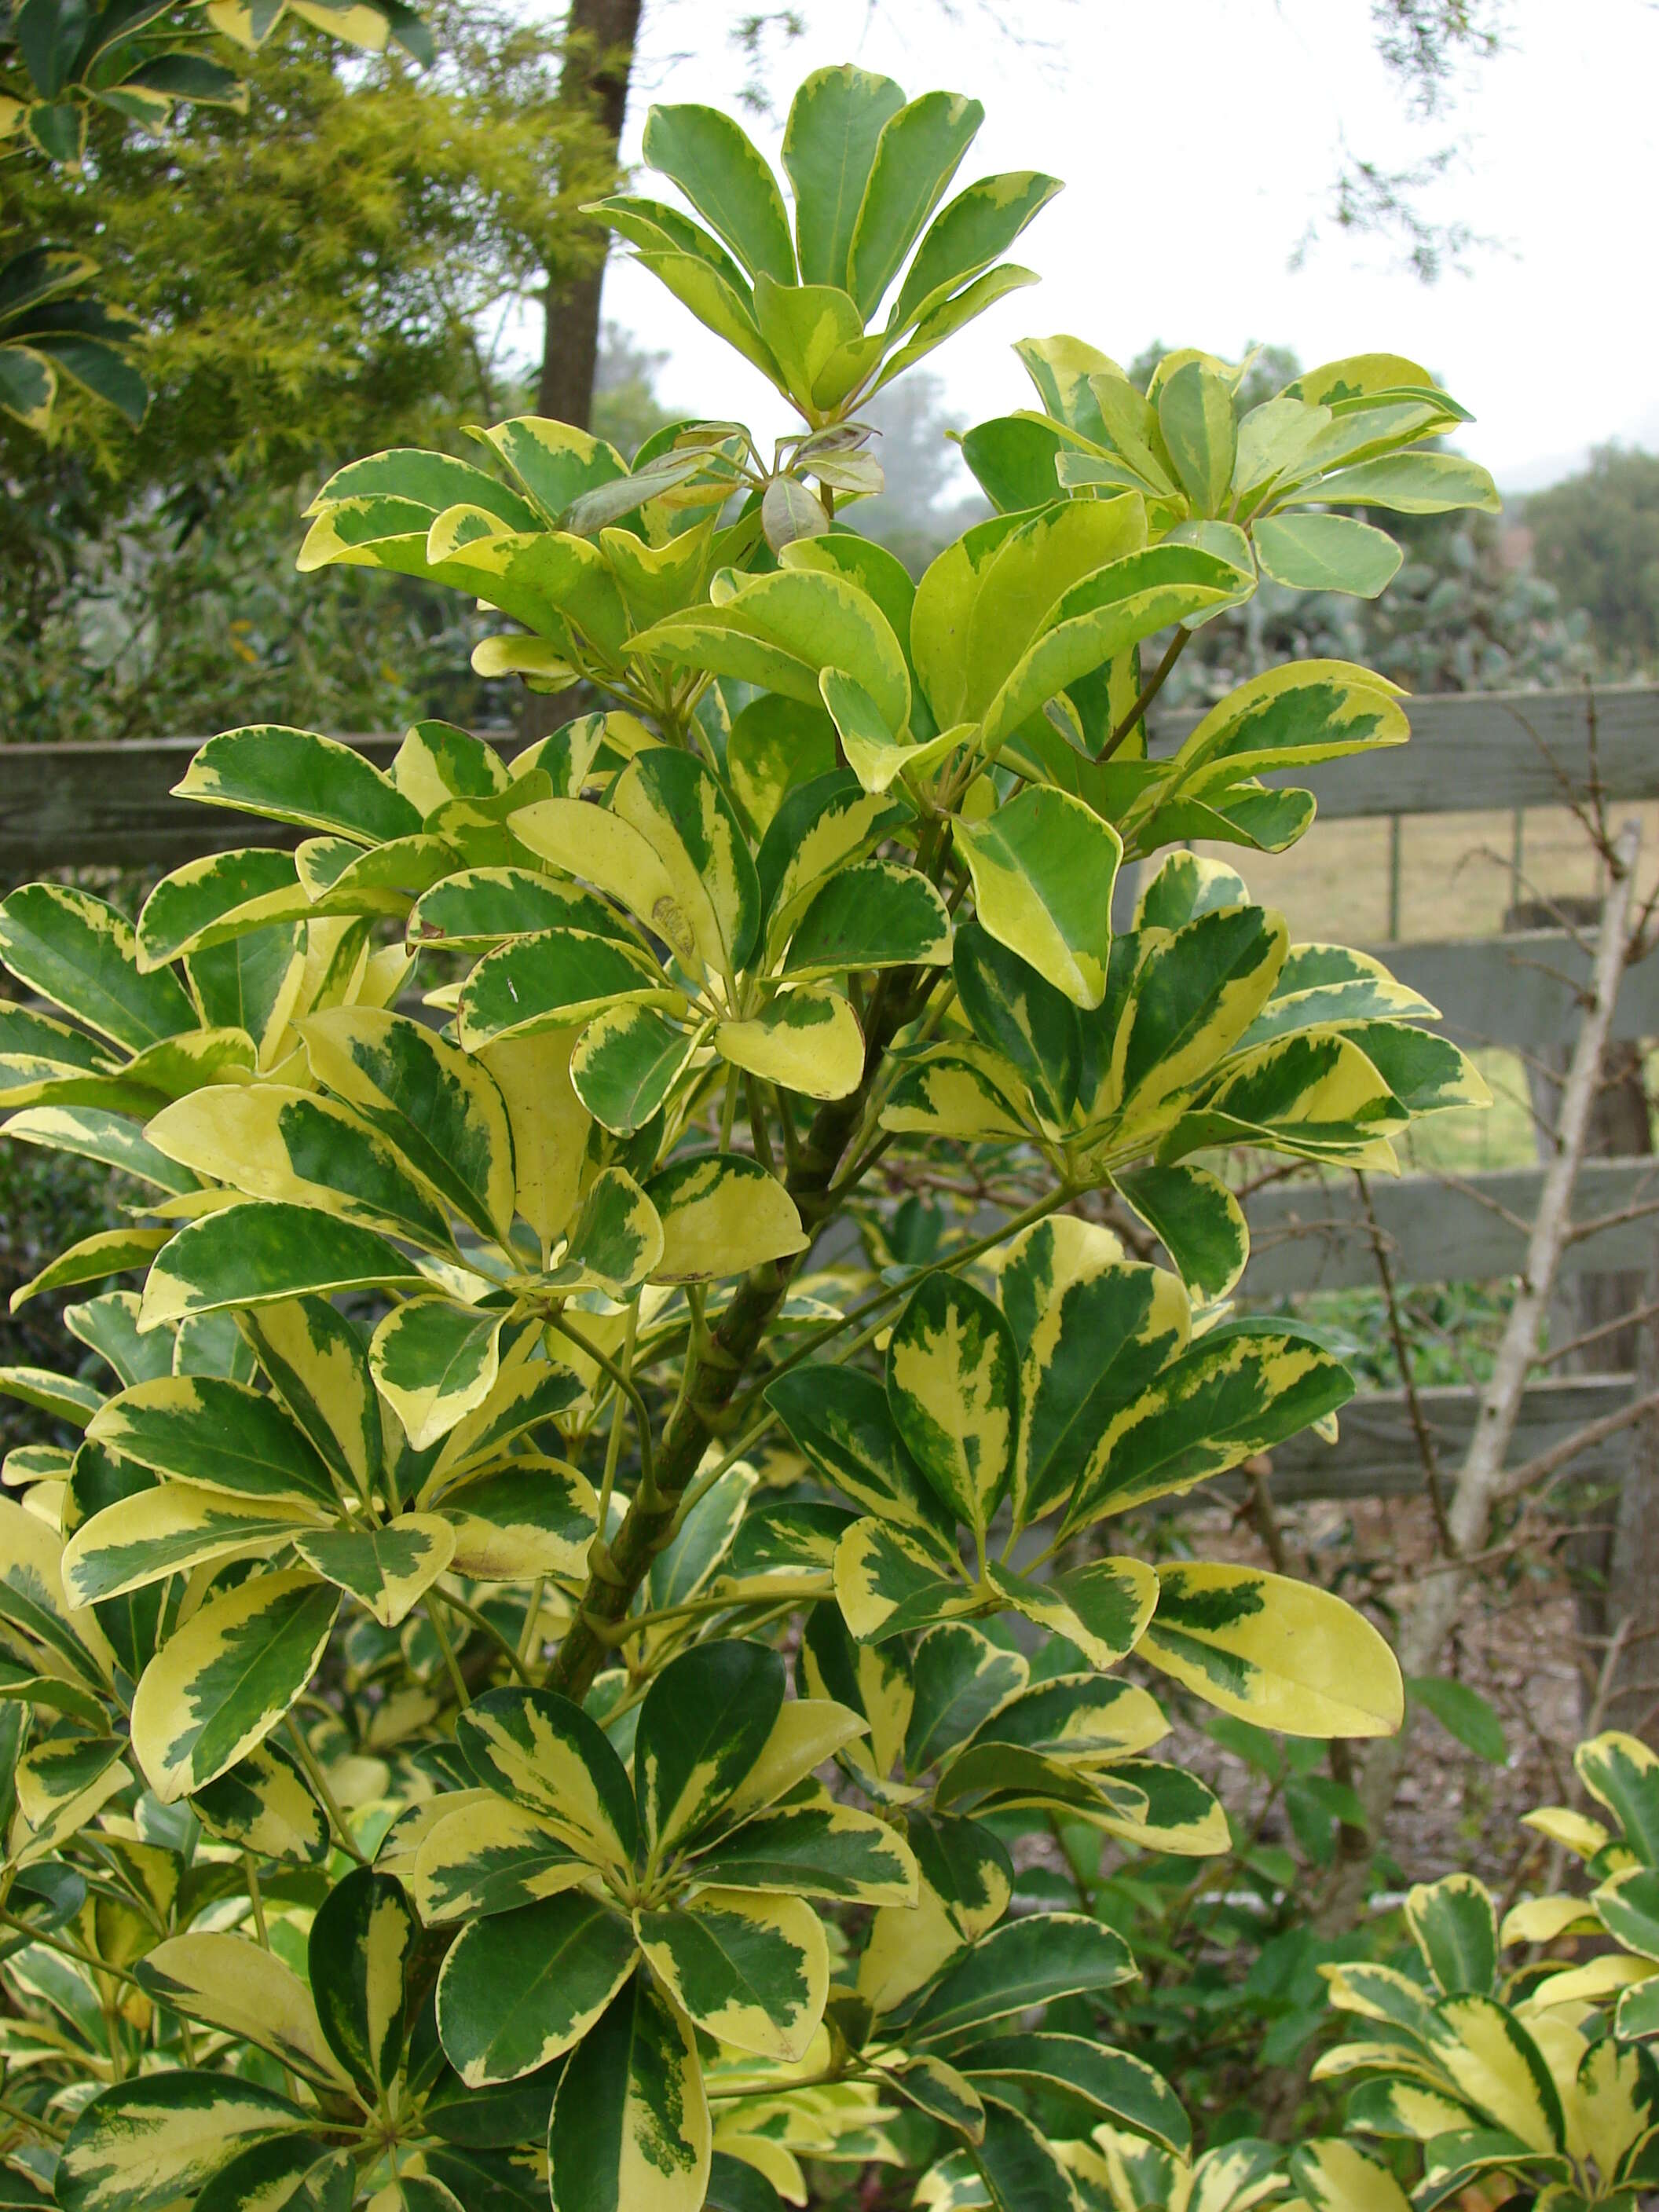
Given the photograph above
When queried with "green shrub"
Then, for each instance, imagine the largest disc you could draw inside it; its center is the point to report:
(525, 1679)
(1534, 2077)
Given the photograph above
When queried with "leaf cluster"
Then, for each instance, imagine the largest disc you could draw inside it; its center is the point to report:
(520, 1675)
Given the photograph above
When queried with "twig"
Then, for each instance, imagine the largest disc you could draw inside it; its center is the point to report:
(1633, 1319)
(1593, 1432)
(1427, 1450)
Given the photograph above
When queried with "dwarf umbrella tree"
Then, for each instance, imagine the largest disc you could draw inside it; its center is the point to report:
(571, 1579)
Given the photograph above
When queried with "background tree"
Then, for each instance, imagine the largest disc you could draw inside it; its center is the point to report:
(1596, 538)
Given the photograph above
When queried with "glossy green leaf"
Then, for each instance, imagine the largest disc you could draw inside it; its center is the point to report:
(630, 2121)
(703, 1722)
(271, 1141)
(678, 807)
(1241, 1387)
(554, 979)
(876, 914)
(221, 1683)
(1111, 2084)
(214, 898)
(953, 1387)
(836, 119)
(318, 1365)
(1463, 1713)
(1621, 1774)
(1284, 1654)
(1456, 1928)
(968, 235)
(361, 1945)
(531, 1517)
(202, 1429)
(1200, 1222)
(1017, 1013)
(916, 156)
(80, 953)
(776, 745)
(147, 2144)
(960, 1677)
(751, 1970)
(1042, 867)
(716, 166)
(171, 1531)
(1023, 1964)
(721, 1214)
(781, 630)
(840, 1418)
(291, 776)
(435, 1105)
(517, 1988)
(265, 1804)
(477, 908)
(548, 1754)
(807, 1040)
(887, 1583)
(1100, 1329)
(387, 1569)
(1326, 553)
(815, 1848)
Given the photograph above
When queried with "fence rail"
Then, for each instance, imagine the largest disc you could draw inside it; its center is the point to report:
(112, 804)
(1315, 1236)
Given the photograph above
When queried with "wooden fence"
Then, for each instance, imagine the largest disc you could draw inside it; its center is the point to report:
(90, 806)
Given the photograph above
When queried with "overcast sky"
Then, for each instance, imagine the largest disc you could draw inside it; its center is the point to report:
(1198, 143)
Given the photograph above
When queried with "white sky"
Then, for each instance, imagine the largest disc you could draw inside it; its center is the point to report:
(1198, 142)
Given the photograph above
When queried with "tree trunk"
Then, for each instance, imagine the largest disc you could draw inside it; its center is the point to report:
(1614, 1559)
(1431, 1613)
(598, 54)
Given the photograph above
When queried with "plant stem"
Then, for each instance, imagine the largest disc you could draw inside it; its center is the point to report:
(319, 1781)
(463, 1695)
(623, 1382)
(1149, 691)
(485, 1626)
(729, 1601)
(55, 1943)
(716, 1360)
(256, 1898)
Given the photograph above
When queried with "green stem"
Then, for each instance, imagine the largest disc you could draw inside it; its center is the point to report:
(486, 1627)
(691, 1608)
(613, 1442)
(256, 1898)
(728, 1110)
(319, 1781)
(1149, 691)
(54, 1942)
(527, 1640)
(623, 1382)
(457, 1681)
(716, 1360)
(36, 2122)
(698, 1490)
(758, 1134)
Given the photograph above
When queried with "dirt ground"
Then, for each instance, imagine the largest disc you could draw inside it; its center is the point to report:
(1514, 1644)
